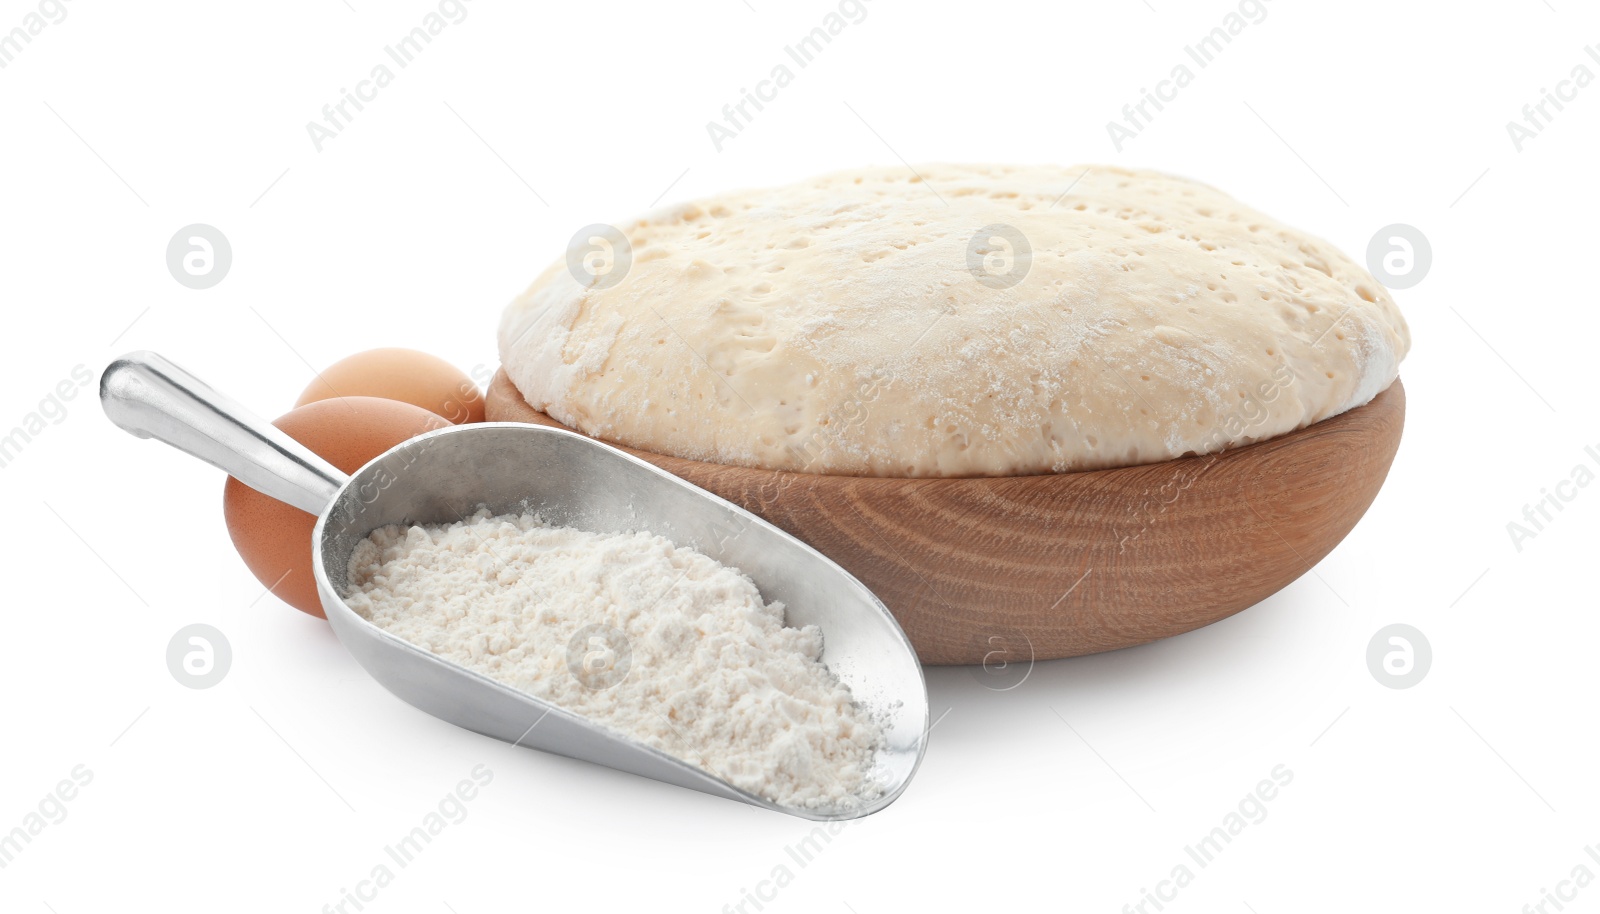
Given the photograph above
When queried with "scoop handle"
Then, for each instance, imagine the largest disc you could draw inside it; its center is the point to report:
(150, 397)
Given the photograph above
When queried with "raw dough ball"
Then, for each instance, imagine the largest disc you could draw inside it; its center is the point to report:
(976, 323)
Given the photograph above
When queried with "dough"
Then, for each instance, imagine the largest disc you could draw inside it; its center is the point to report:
(875, 322)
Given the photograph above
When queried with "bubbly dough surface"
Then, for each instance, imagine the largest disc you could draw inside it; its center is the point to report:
(837, 326)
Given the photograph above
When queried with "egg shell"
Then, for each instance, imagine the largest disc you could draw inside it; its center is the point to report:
(274, 538)
(401, 374)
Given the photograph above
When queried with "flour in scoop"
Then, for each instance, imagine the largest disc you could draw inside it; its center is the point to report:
(656, 641)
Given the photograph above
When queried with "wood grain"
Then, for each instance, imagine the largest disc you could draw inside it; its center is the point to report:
(1071, 563)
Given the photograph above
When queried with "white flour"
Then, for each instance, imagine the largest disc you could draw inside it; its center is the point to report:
(704, 670)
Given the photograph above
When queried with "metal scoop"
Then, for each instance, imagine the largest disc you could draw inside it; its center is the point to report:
(571, 480)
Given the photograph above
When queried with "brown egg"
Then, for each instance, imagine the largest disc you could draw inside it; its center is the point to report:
(273, 538)
(401, 374)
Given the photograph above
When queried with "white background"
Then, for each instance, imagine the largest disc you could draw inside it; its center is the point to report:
(1077, 790)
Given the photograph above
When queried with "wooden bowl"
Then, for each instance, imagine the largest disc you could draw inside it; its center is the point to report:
(1064, 564)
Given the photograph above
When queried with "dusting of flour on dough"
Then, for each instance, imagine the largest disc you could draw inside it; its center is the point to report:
(715, 678)
(1153, 313)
